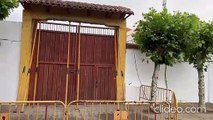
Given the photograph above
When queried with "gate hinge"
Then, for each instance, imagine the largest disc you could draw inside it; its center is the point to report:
(116, 73)
(29, 71)
(24, 69)
(122, 73)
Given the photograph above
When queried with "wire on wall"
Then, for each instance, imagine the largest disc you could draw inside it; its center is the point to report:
(136, 68)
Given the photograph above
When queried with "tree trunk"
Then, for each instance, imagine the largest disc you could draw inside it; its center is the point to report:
(166, 81)
(154, 83)
(201, 89)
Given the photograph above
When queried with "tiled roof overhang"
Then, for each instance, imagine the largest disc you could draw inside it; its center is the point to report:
(78, 6)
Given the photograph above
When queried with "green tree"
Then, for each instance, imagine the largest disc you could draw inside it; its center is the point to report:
(6, 6)
(199, 53)
(161, 35)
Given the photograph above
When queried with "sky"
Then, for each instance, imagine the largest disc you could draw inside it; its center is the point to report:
(202, 8)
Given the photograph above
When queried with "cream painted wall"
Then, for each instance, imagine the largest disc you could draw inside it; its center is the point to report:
(9, 59)
(182, 78)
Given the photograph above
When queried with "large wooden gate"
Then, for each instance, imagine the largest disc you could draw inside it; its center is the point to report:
(88, 74)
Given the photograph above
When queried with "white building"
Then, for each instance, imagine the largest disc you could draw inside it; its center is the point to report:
(182, 77)
(10, 38)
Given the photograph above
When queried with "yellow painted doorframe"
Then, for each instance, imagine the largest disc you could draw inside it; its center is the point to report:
(26, 39)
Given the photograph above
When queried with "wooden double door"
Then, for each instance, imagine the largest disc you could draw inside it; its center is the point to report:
(96, 67)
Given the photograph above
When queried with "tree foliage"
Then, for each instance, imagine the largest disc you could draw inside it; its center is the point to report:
(168, 38)
(200, 51)
(161, 35)
(6, 6)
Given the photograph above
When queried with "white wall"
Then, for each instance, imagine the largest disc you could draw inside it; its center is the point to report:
(182, 78)
(210, 83)
(10, 35)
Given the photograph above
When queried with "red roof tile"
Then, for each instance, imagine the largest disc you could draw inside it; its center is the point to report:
(78, 6)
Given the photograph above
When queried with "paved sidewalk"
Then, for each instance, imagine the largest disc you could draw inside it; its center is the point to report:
(94, 112)
(197, 116)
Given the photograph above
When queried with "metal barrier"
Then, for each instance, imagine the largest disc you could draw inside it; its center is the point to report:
(85, 110)
(32, 110)
(162, 93)
(174, 104)
(117, 110)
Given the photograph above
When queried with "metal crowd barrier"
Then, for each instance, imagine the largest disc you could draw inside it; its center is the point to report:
(32, 110)
(162, 93)
(85, 110)
(117, 110)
